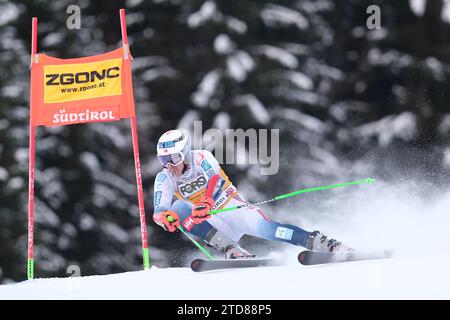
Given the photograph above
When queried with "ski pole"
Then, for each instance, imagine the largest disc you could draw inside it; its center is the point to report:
(295, 193)
(193, 240)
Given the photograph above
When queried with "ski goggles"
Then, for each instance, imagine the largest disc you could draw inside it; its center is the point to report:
(173, 159)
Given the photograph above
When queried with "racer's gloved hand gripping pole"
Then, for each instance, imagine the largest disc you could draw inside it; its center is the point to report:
(200, 213)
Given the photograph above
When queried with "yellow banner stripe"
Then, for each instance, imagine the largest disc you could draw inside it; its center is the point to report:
(73, 82)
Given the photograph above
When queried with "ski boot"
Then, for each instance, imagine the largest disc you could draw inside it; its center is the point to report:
(234, 251)
(320, 242)
(221, 242)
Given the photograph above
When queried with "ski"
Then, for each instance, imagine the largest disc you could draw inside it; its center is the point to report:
(315, 258)
(201, 265)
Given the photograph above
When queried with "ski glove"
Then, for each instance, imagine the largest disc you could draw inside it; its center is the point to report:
(164, 220)
(201, 211)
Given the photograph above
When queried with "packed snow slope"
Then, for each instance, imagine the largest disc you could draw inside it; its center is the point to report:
(413, 222)
(398, 278)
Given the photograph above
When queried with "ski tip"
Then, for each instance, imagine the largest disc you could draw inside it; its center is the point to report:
(196, 265)
(302, 256)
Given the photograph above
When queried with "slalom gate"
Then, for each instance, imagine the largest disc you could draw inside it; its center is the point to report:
(72, 91)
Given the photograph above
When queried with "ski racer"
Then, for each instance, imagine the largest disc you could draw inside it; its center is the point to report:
(186, 174)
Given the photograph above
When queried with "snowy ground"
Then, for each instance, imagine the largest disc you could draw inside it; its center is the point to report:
(377, 217)
(396, 278)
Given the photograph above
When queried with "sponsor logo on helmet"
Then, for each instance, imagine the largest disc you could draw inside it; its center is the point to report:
(167, 144)
(191, 187)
